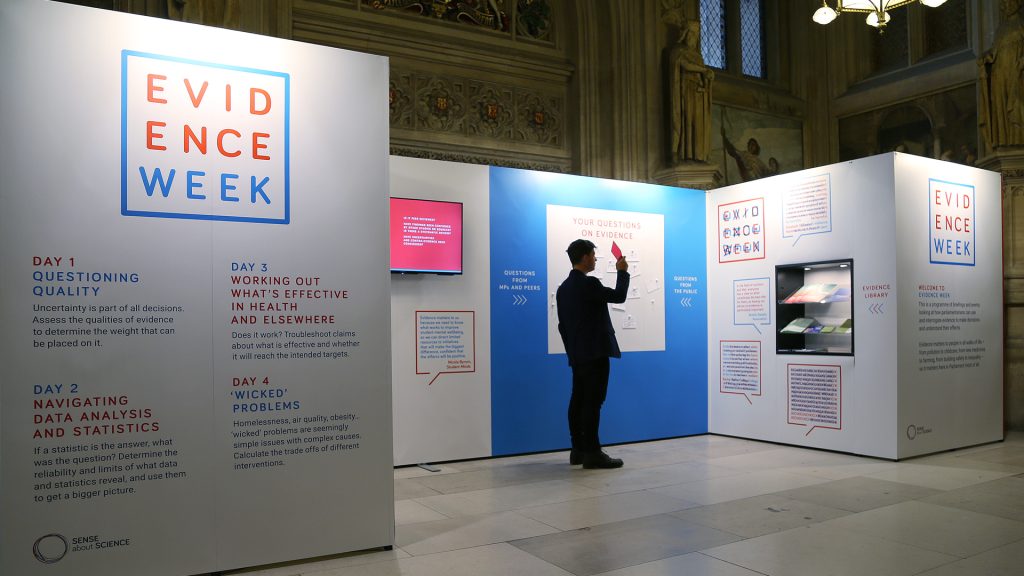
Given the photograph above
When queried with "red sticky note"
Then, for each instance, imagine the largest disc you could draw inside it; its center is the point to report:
(616, 251)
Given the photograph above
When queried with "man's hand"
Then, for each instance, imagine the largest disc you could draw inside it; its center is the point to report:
(621, 264)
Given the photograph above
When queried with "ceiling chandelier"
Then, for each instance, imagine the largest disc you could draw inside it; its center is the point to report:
(877, 10)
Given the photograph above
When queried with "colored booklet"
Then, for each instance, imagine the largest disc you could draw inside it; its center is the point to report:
(846, 327)
(799, 326)
(616, 251)
(828, 329)
(842, 294)
(811, 293)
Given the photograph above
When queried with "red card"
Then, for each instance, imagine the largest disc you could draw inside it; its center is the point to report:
(616, 251)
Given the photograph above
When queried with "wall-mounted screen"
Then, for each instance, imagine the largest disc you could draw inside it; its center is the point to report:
(426, 236)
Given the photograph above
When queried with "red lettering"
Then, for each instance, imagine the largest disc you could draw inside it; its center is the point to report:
(227, 97)
(152, 88)
(220, 142)
(152, 135)
(196, 99)
(252, 101)
(955, 223)
(199, 142)
(257, 145)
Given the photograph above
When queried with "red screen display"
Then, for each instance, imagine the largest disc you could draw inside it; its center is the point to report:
(426, 236)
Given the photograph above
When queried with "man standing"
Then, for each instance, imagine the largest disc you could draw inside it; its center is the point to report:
(589, 339)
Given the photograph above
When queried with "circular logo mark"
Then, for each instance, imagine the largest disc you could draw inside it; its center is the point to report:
(911, 432)
(50, 548)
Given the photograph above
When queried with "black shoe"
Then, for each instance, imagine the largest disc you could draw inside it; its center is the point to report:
(599, 459)
(575, 457)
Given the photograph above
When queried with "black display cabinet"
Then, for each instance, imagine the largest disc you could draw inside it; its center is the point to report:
(814, 308)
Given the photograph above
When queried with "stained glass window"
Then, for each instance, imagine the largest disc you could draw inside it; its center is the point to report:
(752, 37)
(712, 37)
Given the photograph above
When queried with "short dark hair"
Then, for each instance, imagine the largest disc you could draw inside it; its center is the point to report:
(578, 249)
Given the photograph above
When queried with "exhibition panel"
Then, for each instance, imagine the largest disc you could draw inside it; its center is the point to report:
(658, 388)
(441, 326)
(950, 302)
(196, 371)
(478, 365)
(922, 371)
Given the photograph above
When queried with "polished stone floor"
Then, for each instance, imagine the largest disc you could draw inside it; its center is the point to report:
(704, 505)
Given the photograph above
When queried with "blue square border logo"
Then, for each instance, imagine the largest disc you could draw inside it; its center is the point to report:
(125, 211)
(931, 224)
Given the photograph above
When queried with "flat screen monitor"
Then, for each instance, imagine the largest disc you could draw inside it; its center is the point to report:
(426, 236)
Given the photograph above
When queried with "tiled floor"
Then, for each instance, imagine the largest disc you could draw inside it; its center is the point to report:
(705, 505)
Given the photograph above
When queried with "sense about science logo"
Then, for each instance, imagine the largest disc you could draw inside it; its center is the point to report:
(50, 548)
(203, 141)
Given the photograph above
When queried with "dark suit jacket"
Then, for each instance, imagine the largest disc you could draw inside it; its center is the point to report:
(583, 320)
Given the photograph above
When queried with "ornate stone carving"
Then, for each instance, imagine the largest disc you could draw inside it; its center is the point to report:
(399, 101)
(477, 159)
(672, 13)
(493, 108)
(474, 109)
(491, 14)
(439, 105)
(533, 19)
(539, 119)
(485, 115)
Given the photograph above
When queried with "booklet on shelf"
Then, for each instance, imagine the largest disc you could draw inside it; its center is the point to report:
(846, 327)
(841, 294)
(811, 294)
(799, 326)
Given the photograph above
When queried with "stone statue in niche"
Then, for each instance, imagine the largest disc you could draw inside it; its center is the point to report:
(1001, 81)
(689, 82)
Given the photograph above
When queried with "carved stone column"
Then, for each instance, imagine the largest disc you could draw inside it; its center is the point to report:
(1010, 163)
(1001, 125)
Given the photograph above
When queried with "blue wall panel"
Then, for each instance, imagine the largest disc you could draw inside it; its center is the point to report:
(651, 394)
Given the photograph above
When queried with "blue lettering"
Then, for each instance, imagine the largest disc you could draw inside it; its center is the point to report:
(191, 185)
(158, 178)
(951, 247)
(258, 189)
(224, 187)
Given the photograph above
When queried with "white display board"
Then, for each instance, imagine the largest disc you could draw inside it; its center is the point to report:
(639, 322)
(443, 411)
(950, 302)
(925, 374)
(193, 269)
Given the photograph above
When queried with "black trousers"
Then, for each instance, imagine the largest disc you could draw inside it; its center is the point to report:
(589, 388)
